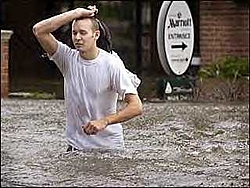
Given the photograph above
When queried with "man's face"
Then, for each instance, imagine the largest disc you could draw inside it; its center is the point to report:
(83, 36)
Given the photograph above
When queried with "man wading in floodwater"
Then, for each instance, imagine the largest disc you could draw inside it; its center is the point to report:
(92, 81)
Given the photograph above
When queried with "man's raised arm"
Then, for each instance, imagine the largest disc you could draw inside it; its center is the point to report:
(42, 30)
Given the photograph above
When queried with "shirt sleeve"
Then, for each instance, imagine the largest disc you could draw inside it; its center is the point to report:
(62, 57)
(122, 82)
(133, 77)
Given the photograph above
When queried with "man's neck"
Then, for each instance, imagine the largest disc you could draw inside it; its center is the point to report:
(91, 54)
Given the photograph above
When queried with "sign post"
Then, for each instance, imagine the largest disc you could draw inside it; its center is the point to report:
(175, 37)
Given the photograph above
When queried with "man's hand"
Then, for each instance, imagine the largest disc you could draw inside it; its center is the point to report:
(90, 12)
(93, 127)
(93, 8)
(133, 108)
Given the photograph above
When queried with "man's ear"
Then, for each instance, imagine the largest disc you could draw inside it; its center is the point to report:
(97, 34)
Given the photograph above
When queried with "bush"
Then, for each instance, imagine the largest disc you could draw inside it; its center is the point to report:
(224, 80)
(230, 68)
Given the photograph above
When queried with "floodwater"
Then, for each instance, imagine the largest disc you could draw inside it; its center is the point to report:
(171, 144)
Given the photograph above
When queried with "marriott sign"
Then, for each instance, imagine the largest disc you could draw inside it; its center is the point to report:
(175, 37)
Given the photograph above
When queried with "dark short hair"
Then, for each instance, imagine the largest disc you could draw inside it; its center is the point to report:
(95, 25)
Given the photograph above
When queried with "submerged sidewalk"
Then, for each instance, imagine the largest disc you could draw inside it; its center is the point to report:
(171, 144)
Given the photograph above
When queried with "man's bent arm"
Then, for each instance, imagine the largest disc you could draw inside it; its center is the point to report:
(132, 109)
(42, 30)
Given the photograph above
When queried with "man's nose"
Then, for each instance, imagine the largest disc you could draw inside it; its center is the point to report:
(77, 36)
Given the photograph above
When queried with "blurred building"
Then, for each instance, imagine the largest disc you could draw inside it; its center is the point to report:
(221, 29)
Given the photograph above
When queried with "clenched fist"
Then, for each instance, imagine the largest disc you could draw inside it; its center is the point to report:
(93, 127)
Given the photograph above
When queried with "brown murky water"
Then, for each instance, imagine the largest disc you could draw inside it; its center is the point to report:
(171, 144)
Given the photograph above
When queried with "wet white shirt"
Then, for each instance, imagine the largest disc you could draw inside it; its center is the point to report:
(91, 89)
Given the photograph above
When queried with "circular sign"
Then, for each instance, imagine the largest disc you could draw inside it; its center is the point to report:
(175, 36)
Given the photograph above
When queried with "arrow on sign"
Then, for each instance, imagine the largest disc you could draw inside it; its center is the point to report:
(183, 46)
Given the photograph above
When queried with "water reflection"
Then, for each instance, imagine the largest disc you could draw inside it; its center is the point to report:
(172, 144)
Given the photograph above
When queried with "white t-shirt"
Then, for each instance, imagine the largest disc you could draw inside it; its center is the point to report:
(91, 88)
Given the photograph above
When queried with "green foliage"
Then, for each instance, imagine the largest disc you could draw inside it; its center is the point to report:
(42, 95)
(230, 68)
